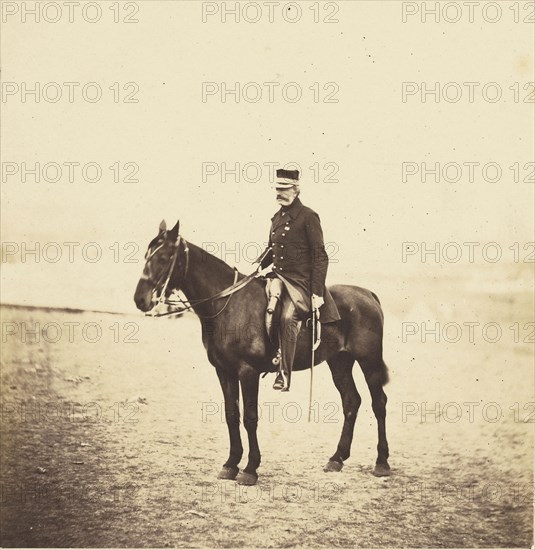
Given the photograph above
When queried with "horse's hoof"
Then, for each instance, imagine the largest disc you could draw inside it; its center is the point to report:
(381, 470)
(245, 478)
(333, 466)
(228, 473)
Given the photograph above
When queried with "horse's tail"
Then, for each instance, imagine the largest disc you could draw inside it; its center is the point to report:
(384, 373)
(383, 369)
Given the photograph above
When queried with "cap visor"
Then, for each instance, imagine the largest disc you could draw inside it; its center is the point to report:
(283, 185)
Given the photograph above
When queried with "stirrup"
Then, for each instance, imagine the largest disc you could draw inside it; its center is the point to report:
(279, 381)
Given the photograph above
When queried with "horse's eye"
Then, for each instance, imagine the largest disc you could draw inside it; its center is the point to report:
(162, 259)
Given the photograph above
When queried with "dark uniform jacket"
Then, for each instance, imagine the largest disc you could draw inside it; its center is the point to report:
(297, 251)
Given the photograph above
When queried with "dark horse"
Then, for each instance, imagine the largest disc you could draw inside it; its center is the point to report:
(238, 346)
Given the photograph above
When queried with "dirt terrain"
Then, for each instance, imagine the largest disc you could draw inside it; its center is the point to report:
(117, 442)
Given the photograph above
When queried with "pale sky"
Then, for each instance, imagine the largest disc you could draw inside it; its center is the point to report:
(171, 132)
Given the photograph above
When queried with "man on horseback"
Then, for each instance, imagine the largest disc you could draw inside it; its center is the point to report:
(299, 262)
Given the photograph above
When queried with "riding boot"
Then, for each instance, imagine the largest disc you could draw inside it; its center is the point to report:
(286, 376)
(290, 327)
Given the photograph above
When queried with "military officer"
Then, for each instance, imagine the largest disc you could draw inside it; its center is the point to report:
(299, 262)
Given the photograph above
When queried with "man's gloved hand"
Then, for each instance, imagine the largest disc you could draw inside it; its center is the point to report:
(317, 301)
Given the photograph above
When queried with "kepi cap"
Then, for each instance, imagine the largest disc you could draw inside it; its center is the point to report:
(286, 179)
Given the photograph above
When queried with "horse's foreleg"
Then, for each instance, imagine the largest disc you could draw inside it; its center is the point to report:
(341, 369)
(230, 387)
(249, 378)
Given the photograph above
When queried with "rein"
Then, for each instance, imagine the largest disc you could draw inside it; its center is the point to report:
(188, 304)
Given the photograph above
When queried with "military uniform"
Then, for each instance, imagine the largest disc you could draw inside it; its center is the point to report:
(297, 252)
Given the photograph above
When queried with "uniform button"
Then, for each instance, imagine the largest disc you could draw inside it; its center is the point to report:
(282, 246)
(284, 234)
(287, 228)
(273, 255)
(282, 257)
(283, 213)
(280, 268)
(273, 232)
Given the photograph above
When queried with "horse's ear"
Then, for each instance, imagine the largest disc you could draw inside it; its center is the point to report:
(163, 226)
(174, 232)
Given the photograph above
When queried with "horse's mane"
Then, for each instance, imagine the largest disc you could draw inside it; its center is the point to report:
(217, 261)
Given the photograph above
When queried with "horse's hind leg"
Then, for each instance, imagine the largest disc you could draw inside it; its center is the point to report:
(341, 369)
(376, 376)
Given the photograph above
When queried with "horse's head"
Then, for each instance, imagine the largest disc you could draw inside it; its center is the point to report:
(165, 259)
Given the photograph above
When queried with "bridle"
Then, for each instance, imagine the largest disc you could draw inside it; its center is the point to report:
(160, 295)
(188, 305)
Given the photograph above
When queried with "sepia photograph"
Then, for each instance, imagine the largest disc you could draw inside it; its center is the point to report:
(267, 274)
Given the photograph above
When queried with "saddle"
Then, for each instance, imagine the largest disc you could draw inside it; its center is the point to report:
(274, 292)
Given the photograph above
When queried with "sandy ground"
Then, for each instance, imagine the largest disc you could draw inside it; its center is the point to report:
(118, 442)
